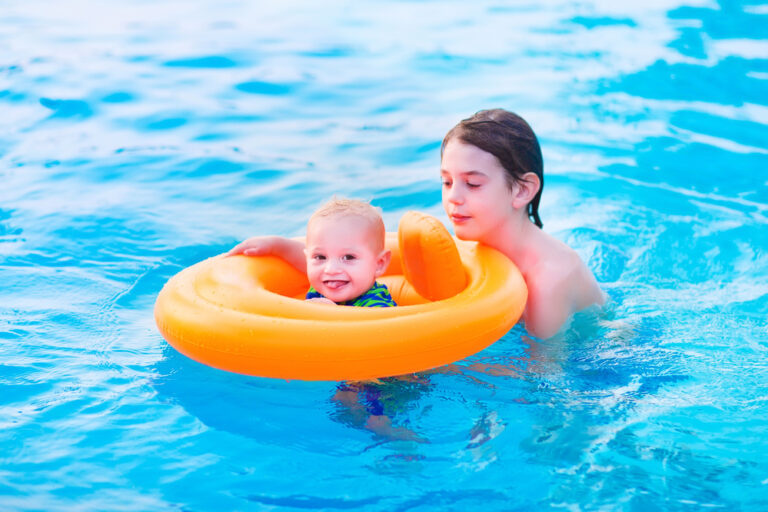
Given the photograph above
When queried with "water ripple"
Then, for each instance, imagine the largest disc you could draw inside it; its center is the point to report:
(135, 142)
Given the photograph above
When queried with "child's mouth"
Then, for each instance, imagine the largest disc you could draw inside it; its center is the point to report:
(334, 284)
(455, 218)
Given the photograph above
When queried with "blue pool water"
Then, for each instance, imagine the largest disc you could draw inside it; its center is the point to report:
(138, 137)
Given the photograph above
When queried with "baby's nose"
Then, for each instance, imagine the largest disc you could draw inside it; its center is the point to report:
(332, 266)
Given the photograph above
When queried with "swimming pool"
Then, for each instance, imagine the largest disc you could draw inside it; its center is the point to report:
(137, 138)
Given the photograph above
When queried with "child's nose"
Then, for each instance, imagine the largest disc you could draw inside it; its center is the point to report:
(454, 195)
(332, 266)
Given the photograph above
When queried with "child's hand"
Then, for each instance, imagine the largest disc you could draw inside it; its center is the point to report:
(321, 300)
(291, 251)
(257, 246)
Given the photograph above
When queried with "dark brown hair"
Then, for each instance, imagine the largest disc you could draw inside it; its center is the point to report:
(511, 140)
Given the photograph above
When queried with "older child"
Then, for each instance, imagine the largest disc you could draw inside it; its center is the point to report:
(492, 178)
(344, 254)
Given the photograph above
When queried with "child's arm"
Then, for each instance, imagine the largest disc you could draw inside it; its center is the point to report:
(556, 293)
(290, 250)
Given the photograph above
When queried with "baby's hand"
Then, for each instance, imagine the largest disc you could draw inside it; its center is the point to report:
(321, 300)
(289, 250)
(257, 246)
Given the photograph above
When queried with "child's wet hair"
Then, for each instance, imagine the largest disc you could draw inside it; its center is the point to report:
(511, 140)
(340, 207)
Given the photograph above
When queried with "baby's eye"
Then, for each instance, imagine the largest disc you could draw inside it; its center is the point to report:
(473, 185)
(318, 257)
(446, 183)
(348, 257)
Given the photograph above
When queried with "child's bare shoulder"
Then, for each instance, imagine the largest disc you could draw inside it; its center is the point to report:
(560, 271)
(555, 262)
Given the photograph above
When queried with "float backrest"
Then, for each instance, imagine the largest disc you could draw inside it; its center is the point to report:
(429, 257)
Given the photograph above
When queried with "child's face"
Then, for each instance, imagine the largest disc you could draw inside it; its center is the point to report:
(342, 257)
(476, 196)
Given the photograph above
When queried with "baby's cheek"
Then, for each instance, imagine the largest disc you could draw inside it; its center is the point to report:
(314, 277)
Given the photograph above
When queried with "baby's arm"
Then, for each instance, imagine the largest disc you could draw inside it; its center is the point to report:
(290, 250)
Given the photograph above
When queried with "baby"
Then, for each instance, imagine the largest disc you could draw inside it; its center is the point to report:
(345, 254)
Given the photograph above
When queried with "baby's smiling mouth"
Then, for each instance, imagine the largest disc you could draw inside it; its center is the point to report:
(334, 284)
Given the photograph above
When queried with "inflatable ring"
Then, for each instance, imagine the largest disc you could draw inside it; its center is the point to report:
(244, 314)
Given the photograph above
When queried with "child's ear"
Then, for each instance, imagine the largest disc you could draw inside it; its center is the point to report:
(382, 262)
(525, 190)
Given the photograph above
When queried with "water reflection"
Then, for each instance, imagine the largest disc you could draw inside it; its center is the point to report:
(8, 231)
(381, 406)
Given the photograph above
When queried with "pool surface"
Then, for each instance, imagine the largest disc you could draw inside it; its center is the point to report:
(138, 138)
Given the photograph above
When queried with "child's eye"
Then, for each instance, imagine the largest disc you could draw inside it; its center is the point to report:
(348, 257)
(473, 185)
(446, 183)
(318, 257)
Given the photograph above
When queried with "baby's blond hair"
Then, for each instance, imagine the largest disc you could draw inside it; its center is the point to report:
(343, 207)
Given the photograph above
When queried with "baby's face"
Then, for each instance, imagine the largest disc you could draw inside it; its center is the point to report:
(343, 259)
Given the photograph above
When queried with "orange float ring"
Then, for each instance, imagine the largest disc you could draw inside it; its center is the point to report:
(244, 314)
